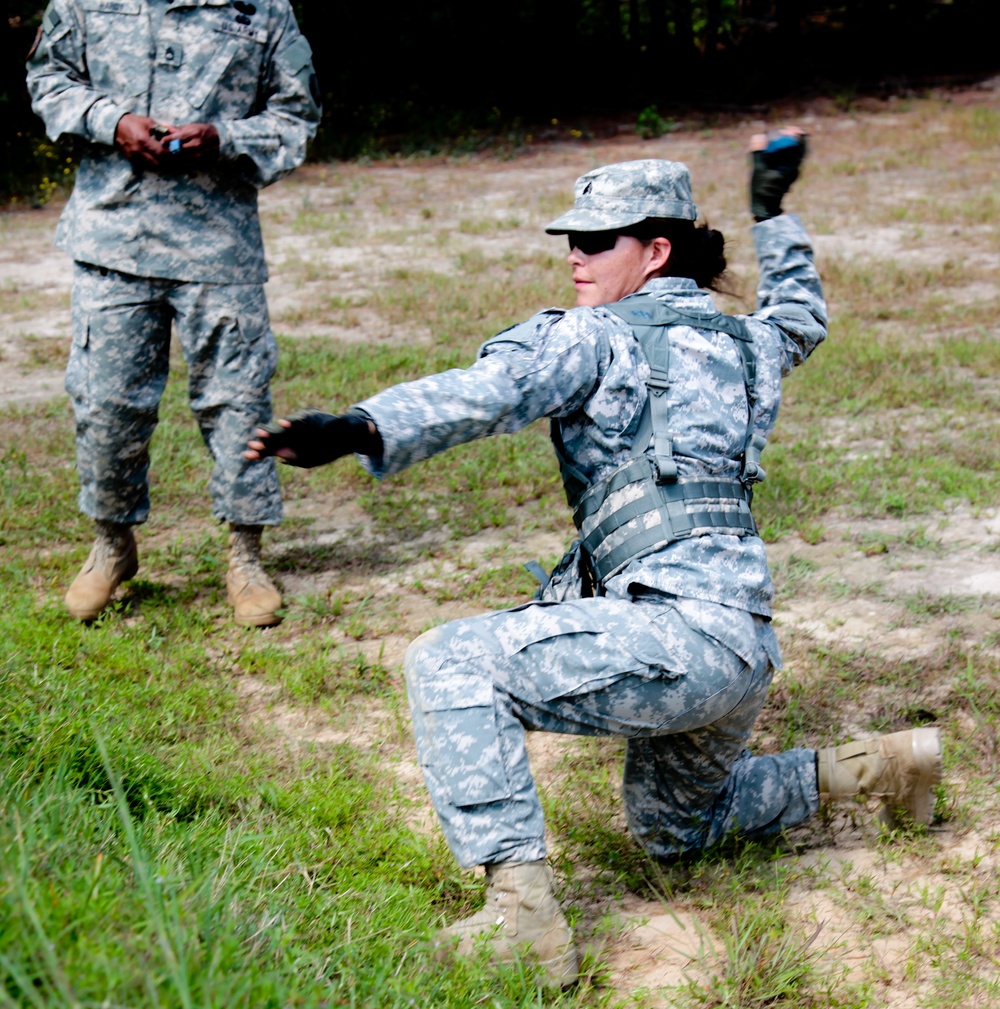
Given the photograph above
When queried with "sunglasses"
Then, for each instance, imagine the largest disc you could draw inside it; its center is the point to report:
(590, 243)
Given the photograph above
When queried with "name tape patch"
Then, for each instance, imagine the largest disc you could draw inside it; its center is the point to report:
(111, 6)
(242, 31)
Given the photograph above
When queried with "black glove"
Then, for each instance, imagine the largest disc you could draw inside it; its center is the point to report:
(774, 170)
(317, 438)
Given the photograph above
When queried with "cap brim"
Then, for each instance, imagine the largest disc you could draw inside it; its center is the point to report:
(592, 220)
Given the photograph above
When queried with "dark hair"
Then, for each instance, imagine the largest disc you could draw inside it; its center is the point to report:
(696, 251)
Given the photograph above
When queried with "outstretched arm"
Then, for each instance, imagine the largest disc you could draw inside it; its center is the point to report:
(544, 367)
(311, 438)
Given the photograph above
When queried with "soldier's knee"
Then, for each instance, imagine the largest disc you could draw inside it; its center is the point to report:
(417, 653)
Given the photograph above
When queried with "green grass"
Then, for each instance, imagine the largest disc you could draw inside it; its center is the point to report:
(182, 860)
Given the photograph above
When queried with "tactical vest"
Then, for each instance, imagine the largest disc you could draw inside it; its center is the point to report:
(642, 506)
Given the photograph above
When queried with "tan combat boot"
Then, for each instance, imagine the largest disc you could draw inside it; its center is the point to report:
(900, 769)
(521, 916)
(251, 593)
(112, 560)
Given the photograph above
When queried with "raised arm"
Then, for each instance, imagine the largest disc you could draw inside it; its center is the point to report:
(789, 294)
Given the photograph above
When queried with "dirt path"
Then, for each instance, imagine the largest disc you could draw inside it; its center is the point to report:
(343, 229)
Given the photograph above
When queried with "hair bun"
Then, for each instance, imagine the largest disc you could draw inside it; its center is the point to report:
(708, 256)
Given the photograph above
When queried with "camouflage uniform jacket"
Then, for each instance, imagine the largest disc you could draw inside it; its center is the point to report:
(179, 62)
(586, 370)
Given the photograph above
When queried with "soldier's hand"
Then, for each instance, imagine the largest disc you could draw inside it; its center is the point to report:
(135, 141)
(311, 438)
(191, 144)
(775, 160)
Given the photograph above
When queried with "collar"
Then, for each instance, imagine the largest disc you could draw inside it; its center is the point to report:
(662, 285)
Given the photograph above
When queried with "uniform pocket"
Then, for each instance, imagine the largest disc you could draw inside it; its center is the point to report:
(579, 647)
(459, 739)
(203, 82)
(616, 403)
(78, 365)
(237, 53)
(519, 347)
(236, 361)
(257, 354)
(614, 406)
(112, 30)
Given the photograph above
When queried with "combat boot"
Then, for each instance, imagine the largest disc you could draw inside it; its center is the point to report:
(251, 593)
(521, 916)
(900, 769)
(112, 560)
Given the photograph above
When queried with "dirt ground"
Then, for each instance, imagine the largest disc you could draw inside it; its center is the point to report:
(951, 555)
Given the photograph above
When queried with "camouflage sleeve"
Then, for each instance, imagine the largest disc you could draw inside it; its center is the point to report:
(544, 367)
(789, 295)
(273, 142)
(62, 93)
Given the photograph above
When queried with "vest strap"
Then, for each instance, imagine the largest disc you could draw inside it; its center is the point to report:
(642, 506)
(648, 317)
(632, 514)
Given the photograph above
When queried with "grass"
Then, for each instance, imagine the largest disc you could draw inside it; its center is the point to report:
(751, 951)
(193, 814)
(763, 961)
(179, 862)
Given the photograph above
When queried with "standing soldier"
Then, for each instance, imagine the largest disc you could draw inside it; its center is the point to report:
(186, 108)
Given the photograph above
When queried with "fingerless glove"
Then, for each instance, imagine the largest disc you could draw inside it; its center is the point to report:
(774, 170)
(317, 437)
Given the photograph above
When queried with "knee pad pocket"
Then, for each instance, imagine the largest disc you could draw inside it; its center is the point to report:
(458, 739)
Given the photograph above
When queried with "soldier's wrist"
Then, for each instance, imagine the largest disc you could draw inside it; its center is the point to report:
(103, 118)
(227, 150)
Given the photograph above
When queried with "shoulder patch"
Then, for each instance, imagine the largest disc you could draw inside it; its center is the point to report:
(298, 55)
(50, 22)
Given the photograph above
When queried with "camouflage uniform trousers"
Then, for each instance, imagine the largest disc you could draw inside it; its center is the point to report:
(607, 666)
(117, 372)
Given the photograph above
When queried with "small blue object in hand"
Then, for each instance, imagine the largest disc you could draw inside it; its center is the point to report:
(781, 142)
(775, 168)
(174, 147)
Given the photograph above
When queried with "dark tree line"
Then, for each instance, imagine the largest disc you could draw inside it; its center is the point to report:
(401, 67)
(395, 73)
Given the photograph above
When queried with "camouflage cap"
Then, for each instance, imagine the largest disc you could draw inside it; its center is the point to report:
(617, 196)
